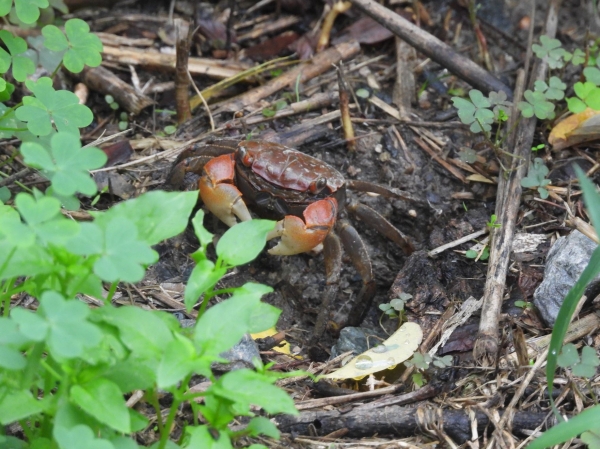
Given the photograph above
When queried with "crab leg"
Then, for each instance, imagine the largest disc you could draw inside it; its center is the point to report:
(298, 236)
(219, 194)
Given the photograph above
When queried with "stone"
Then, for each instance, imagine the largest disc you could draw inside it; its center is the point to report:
(565, 262)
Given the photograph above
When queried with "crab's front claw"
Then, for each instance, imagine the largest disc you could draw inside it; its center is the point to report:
(218, 193)
(298, 236)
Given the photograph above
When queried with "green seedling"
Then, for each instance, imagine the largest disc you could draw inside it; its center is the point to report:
(539, 147)
(536, 178)
(493, 223)
(272, 110)
(170, 129)
(482, 255)
(421, 362)
(395, 307)
(524, 304)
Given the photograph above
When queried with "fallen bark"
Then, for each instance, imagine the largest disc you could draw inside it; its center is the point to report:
(402, 422)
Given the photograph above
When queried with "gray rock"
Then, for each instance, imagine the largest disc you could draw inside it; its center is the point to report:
(565, 262)
(351, 339)
(240, 356)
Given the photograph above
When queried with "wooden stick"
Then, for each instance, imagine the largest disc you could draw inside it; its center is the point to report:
(433, 48)
(302, 72)
(507, 208)
(153, 60)
(104, 81)
(182, 81)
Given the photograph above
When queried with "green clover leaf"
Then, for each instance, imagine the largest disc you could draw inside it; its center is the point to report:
(82, 47)
(576, 58)
(536, 177)
(28, 11)
(588, 95)
(475, 112)
(122, 254)
(500, 103)
(550, 49)
(43, 217)
(66, 164)
(536, 104)
(554, 91)
(61, 107)
(17, 47)
(69, 332)
(592, 74)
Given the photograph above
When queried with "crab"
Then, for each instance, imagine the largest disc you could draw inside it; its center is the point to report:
(306, 196)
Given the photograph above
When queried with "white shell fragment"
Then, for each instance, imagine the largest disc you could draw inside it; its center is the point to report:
(399, 347)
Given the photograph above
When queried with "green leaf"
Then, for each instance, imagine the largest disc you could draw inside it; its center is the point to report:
(66, 164)
(568, 357)
(261, 425)
(177, 362)
(245, 388)
(214, 333)
(157, 215)
(244, 241)
(564, 431)
(11, 359)
(103, 400)
(592, 74)
(204, 237)
(44, 219)
(201, 437)
(50, 106)
(4, 195)
(144, 332)
(575, 105)
(592, 439)
(82, 47)
(55, 39)
(31, 325)
(28, 11)
(85, 47)
(80, 436)
(123, 255)
(202, 278)
(48, 59)
(69, 331)
(16, 405)
(17, 47)
(475, 112)
(536, 104)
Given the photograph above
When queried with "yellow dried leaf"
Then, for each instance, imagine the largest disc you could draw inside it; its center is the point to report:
(577, 128)
(399, 347)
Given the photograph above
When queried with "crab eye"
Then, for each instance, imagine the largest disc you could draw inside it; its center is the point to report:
(317, 185)
(245, 156)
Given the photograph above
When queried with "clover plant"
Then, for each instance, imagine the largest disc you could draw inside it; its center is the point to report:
(66, 368)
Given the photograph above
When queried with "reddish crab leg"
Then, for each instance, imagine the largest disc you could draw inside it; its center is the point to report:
(219, 194)
(298, 236)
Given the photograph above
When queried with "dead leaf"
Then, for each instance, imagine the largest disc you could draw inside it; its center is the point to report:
(575, 129)
(399, 347)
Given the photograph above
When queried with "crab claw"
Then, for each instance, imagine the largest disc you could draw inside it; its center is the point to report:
(299, 236)
(219, 194)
